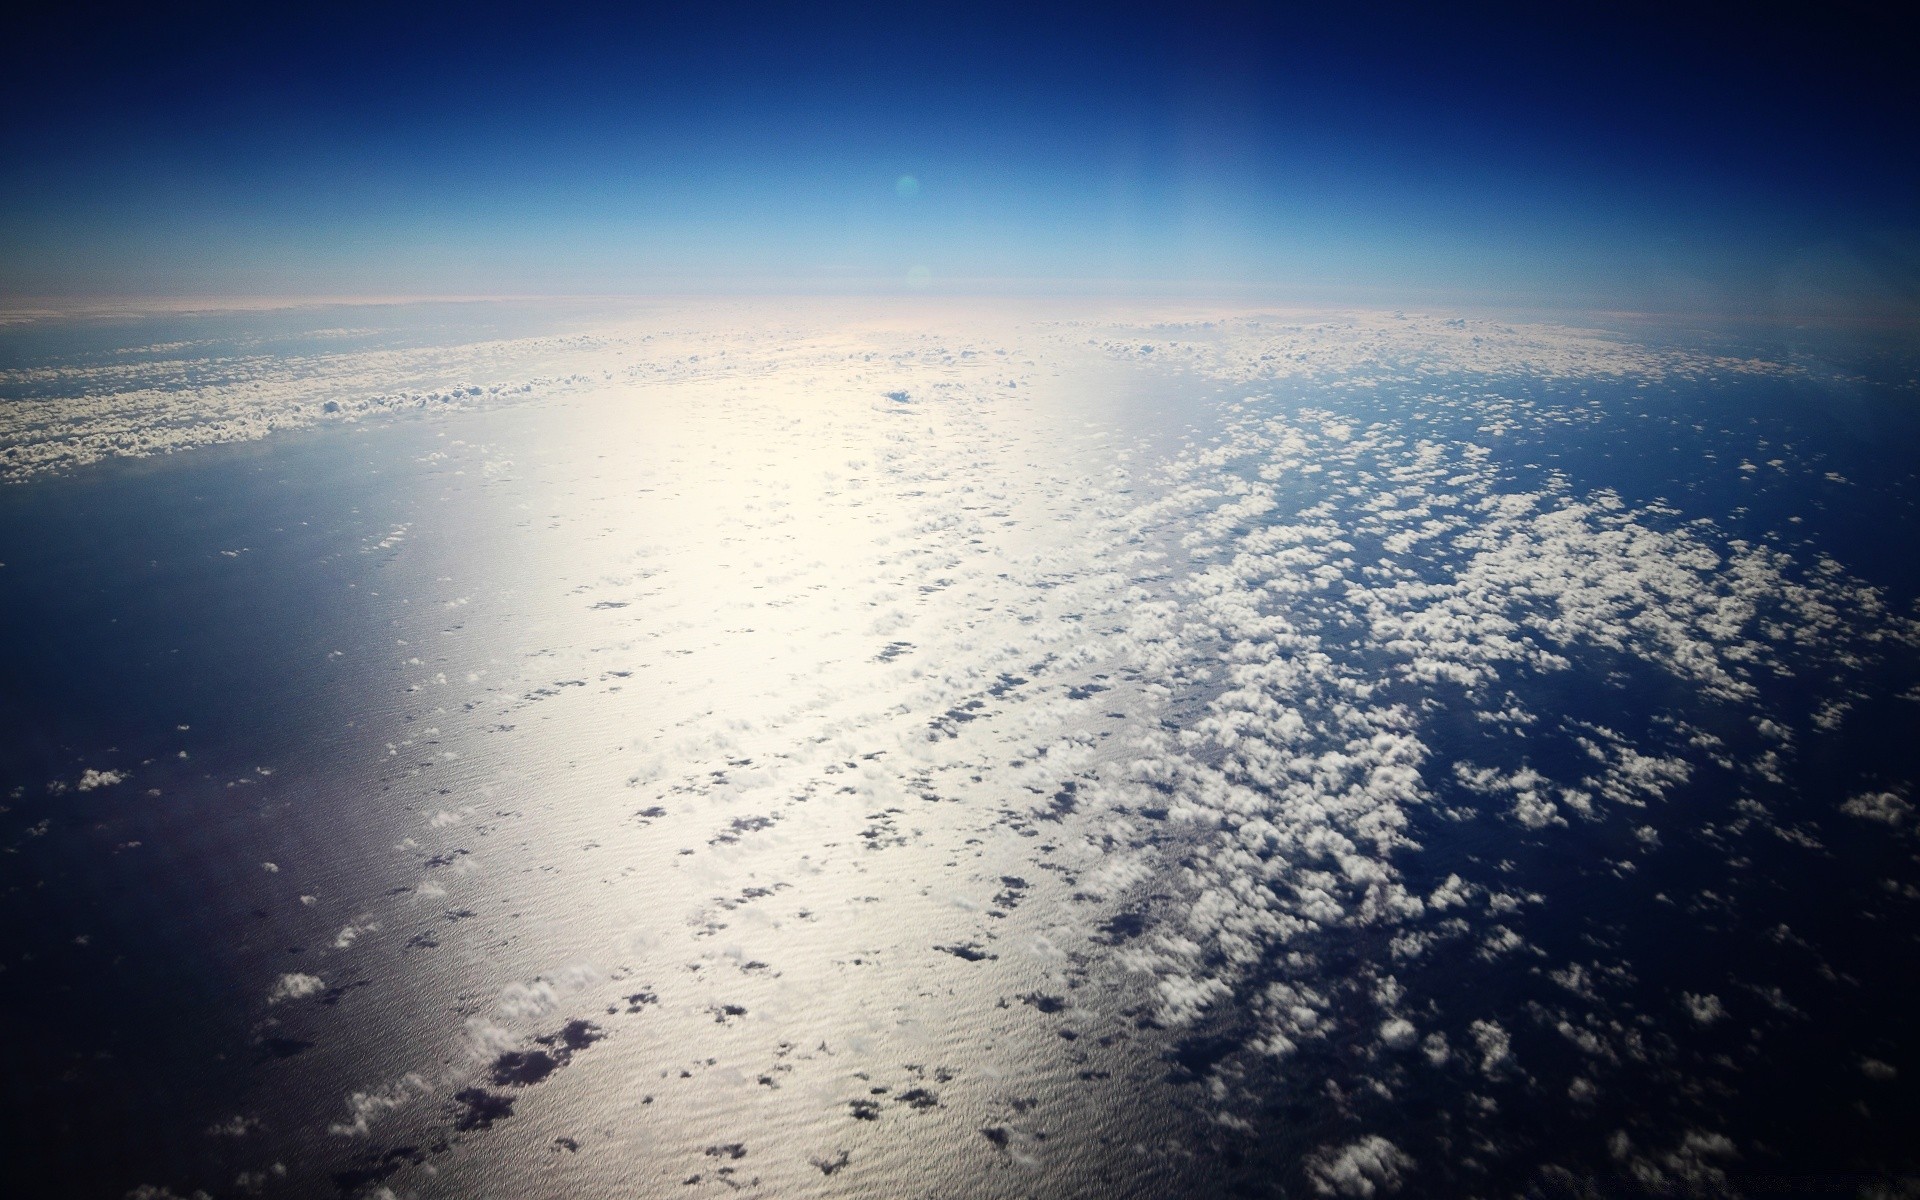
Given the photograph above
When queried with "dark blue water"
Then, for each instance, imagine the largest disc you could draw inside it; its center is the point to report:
(174, 623)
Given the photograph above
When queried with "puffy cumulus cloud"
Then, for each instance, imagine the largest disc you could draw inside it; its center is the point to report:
(295, 985)
(538, 997)
(1692, 1166)
(1704, 1009)
(351, 933)
(1372, 1166)
(1576, 979)
(234, 1127)
(1183, 998)
(1350, 579)
(91, 779)
(1889, 808)
(524, 1001)
(1454, 892)
(1291, 1013)
(364, 1108)
(1496, 1047)
(1543, 574)
(1533, 793)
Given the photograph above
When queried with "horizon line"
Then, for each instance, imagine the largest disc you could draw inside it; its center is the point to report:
(1242, 297)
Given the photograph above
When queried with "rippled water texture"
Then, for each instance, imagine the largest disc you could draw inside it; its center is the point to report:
(471, 752)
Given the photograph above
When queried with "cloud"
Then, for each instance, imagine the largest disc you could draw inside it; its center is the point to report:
(1496, 1048)
(1704, 1009)
(1874, 1068)
(1889, 808)
(1372, 1166)
(295, 986)
(234, 1127)
(364, 1108)
(352, 932)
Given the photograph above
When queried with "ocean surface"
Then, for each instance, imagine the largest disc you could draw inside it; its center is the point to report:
(558, 751)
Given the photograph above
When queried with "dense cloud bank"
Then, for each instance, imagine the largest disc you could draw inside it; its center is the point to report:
(163, 398)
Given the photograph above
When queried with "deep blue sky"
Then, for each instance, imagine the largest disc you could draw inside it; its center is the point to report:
(1595, 157)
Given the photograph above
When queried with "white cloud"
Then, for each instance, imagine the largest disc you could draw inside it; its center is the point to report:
(1874, 1068)
(352, 932)
(1889, 808)
(1704, 1009)
(364, 1108)
(1496, 1048)
(295, 986)
(1371, 1166)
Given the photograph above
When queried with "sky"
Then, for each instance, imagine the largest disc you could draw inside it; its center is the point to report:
(1584, 156)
